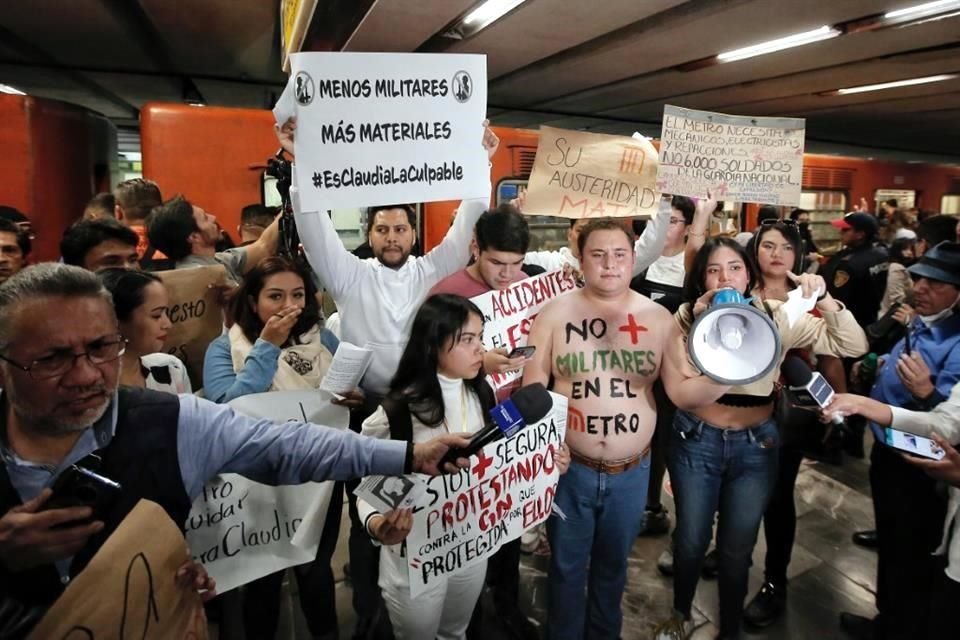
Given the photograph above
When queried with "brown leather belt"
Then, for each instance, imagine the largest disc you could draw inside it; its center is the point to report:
(612, 467)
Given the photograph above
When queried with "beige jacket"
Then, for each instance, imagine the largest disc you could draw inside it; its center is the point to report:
(835, 334)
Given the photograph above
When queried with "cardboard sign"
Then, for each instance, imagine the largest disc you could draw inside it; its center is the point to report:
(466, 517)
(509, 314)
(241, 530)
(196, 314)
(733, 157)
(378, 128)
(128, 590)
(592, 175)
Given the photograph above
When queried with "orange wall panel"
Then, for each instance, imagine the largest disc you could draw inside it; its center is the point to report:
(206, 154)
(47, 165)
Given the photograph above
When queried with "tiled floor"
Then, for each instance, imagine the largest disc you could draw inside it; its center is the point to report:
(828, 574)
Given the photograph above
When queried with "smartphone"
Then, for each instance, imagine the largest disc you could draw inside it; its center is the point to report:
(916, 445)
(522, 352)
(80, 487)
(907, 349)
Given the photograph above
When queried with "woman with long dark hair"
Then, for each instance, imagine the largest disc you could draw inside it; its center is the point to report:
(439, 386)
(723, 448)
(140, 302)
(778, 254)
(278, 343)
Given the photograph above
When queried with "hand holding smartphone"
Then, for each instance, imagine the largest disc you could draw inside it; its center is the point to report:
(522, 352)
(80, 487)
(913, 444)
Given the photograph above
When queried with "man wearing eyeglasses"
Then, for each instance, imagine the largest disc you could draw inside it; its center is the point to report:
(918, 374)
(61, 405)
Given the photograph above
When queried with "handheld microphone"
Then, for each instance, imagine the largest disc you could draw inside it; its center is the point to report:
(527, 405)
(808, 388)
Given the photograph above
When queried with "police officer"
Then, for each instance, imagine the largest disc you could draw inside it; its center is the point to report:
(857, 275)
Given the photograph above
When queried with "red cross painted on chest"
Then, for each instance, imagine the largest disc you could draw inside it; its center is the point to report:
(632, 328)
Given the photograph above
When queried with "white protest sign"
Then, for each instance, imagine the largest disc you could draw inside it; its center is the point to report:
(738, 158)
(508, 314)
(466, 517)
(241, 530)
(378, 128)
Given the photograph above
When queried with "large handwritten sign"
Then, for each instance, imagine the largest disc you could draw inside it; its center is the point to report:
(592, 175)
(509, 313)
(128, 590)
(381, 128)
(467, 516)
(196, 314)
(733, 157)
(241, 530)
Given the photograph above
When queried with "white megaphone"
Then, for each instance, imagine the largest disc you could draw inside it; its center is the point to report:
(733, 342)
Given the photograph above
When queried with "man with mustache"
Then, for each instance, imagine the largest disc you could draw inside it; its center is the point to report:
(61, 406)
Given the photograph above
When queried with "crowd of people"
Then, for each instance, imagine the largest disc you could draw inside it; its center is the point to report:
(101, 392)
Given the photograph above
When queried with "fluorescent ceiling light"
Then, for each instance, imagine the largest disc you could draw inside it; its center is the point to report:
(5, 88)
(796, 40)
(924, 9)
(898, 83)
(488, 13)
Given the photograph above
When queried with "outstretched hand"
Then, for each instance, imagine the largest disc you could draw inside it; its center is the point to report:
(427, 455)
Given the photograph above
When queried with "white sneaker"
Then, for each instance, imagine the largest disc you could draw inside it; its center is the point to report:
(665, 562)
(675, 628)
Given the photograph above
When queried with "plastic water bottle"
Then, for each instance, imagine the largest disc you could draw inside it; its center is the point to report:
(868, 371)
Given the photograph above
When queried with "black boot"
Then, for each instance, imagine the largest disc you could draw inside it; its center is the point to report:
(767, 606)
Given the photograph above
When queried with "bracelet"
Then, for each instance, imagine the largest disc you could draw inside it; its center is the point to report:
(408, 460)
(822, 296)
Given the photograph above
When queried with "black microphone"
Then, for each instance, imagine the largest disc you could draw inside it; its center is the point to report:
(527, 405)
(808, 388)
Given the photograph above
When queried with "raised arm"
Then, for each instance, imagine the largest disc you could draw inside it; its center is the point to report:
(688, 388)
(697, 233)
(453, 253)
(221, 383)
(649, 245)
(264, 247)
(835, 334)
(337, 269)
(540, 366)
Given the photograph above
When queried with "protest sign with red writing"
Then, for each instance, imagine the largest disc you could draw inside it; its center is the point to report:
(508, 314)
(466, 517)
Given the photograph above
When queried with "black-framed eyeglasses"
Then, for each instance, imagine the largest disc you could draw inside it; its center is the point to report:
(60, 362)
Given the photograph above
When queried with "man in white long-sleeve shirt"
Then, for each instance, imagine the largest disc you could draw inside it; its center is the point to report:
(943, 421)
(377, 299)
(647, 248)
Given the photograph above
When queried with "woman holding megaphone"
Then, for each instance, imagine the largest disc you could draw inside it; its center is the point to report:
(723, 447)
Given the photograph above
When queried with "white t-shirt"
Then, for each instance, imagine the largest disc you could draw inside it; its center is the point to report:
(667, 270)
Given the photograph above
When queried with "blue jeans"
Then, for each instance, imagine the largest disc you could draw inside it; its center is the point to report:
(711, 469)
(603, 519)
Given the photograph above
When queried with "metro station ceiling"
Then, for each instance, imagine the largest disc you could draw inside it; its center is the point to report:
(607, 65)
